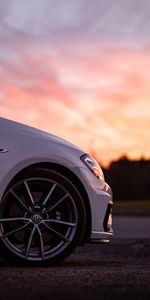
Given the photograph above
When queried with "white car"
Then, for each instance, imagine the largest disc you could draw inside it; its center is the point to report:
(53, 196)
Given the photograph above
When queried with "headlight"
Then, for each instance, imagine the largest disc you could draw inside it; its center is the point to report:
(93, 165)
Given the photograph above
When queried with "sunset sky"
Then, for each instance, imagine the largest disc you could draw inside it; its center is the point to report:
(79, 69)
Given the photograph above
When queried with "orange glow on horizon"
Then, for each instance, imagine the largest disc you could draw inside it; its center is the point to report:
(101, 103)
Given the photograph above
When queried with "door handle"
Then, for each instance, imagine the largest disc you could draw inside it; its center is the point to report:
(3, 150)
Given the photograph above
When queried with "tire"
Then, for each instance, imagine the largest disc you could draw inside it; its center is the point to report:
(42, 218)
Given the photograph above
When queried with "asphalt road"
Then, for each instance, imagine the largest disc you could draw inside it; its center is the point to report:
(131, 227)
(118, 270)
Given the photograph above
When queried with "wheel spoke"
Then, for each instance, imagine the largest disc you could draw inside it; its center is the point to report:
(29, 242)
(60, 222)
(49, 194)
(14, 219)
(19, 201)
(57, 233)
(57, 203)
(41, 242)
(39, 217)
(15, 230)
(29, 193)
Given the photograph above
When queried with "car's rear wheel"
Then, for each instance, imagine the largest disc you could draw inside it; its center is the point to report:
(42, 218)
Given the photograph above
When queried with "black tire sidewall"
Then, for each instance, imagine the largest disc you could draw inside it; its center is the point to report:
(78, 202)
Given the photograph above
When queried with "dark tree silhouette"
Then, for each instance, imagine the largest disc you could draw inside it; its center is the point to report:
(129, 179)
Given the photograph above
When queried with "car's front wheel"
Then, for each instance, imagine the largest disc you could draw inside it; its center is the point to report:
(42, 218)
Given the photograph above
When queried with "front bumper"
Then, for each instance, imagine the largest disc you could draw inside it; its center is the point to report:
(106, 235)
(99, 228)
(105, 231)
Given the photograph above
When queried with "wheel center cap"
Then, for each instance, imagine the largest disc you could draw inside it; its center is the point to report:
(36, 218)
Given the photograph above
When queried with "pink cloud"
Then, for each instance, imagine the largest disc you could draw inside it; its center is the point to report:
(100, 102)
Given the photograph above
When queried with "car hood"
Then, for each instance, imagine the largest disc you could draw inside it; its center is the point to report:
(13, 126)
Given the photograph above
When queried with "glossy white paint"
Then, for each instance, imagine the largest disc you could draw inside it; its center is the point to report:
(22, 146)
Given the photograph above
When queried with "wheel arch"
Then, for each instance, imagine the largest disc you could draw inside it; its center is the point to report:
(75, 181)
